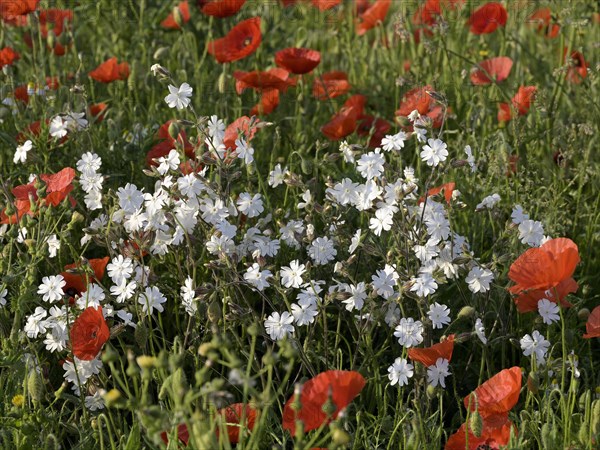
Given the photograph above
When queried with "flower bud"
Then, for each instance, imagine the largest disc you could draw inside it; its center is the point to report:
(583, 314)
(476, 423)
(466, 311)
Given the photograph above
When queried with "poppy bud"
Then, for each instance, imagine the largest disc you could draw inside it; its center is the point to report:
(51, 39)
(431, 391)
(158, 54)
(306, 166)
(533, 383)
(214, 312)
(476, 423)
(131, 85)
(174, 130)
(177, 16)
(35, 386)
(141, 335)
(466, 311)
(33, 203)
(269, 359)
(112, 397)
(595, 422)
(340, 437)
(549, 436)
(165, 388)
(146, 362)
(204, 348)
(109, 355)
(583, 314)
(180, 384)
(221, 83)
(10, 210)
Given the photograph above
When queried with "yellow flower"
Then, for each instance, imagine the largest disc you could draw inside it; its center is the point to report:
(18, 400)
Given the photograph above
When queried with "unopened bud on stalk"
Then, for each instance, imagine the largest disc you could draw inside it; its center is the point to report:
(35, 386)
(466, 311)
(476, 423)
(221, 83)
(51, 39)
(173, 130)
(583, 314)
(177, 16)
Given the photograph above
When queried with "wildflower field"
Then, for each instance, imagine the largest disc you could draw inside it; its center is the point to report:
(299, 224)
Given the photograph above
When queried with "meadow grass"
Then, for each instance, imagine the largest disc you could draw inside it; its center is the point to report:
(181, 366)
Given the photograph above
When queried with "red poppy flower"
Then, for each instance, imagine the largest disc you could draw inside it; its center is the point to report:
(498, 395)
(428, 12)
(233, 416)
(241, 41)
(416, 98)
(98, 111)
(495, 434)
(182, 434)
(545, 267)
(167, 144)
(331, 85)
(487, 18)
(345, 122)
(58, 185)
(492, 70)
(338, 385)
(528, 301)
(184, 10)
(271, 79)
(110, 71)
(324, 5)
(504, 112)
(244, 126)
(578, 70)
(8, 56)
(523, 98)
(220, 8)
(76, 283)
(269, 100)
(89, 333)
(56, 18)
(447, 188)
(298, 60)
(542, 20)
(378, 126)
(372, 16)
(10, 9)
(592, 327)
(428, 356)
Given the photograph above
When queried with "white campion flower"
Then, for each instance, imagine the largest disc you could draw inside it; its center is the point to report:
(21, 152)
(371, 164)
(394, 142)
(58, 127)
(384, 281)
(51, 288)
(89, 163)
(436, 374)
(277, 176)
(250, 205)
(518, 216)
(279, 326)
(439, 315)
(152, 299)
(179, 97)
(549, 311)
(435, 152)
(409, 332)
(322, 251)
(531, 232)
(244, 150)
(383, 221)
(535, 344)
(53, 245)
(423, 285)
(488, 202)
(479, 279)
(480, 331)
(470, 158)
(257, 278)
(400, 372)
(292, 276)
